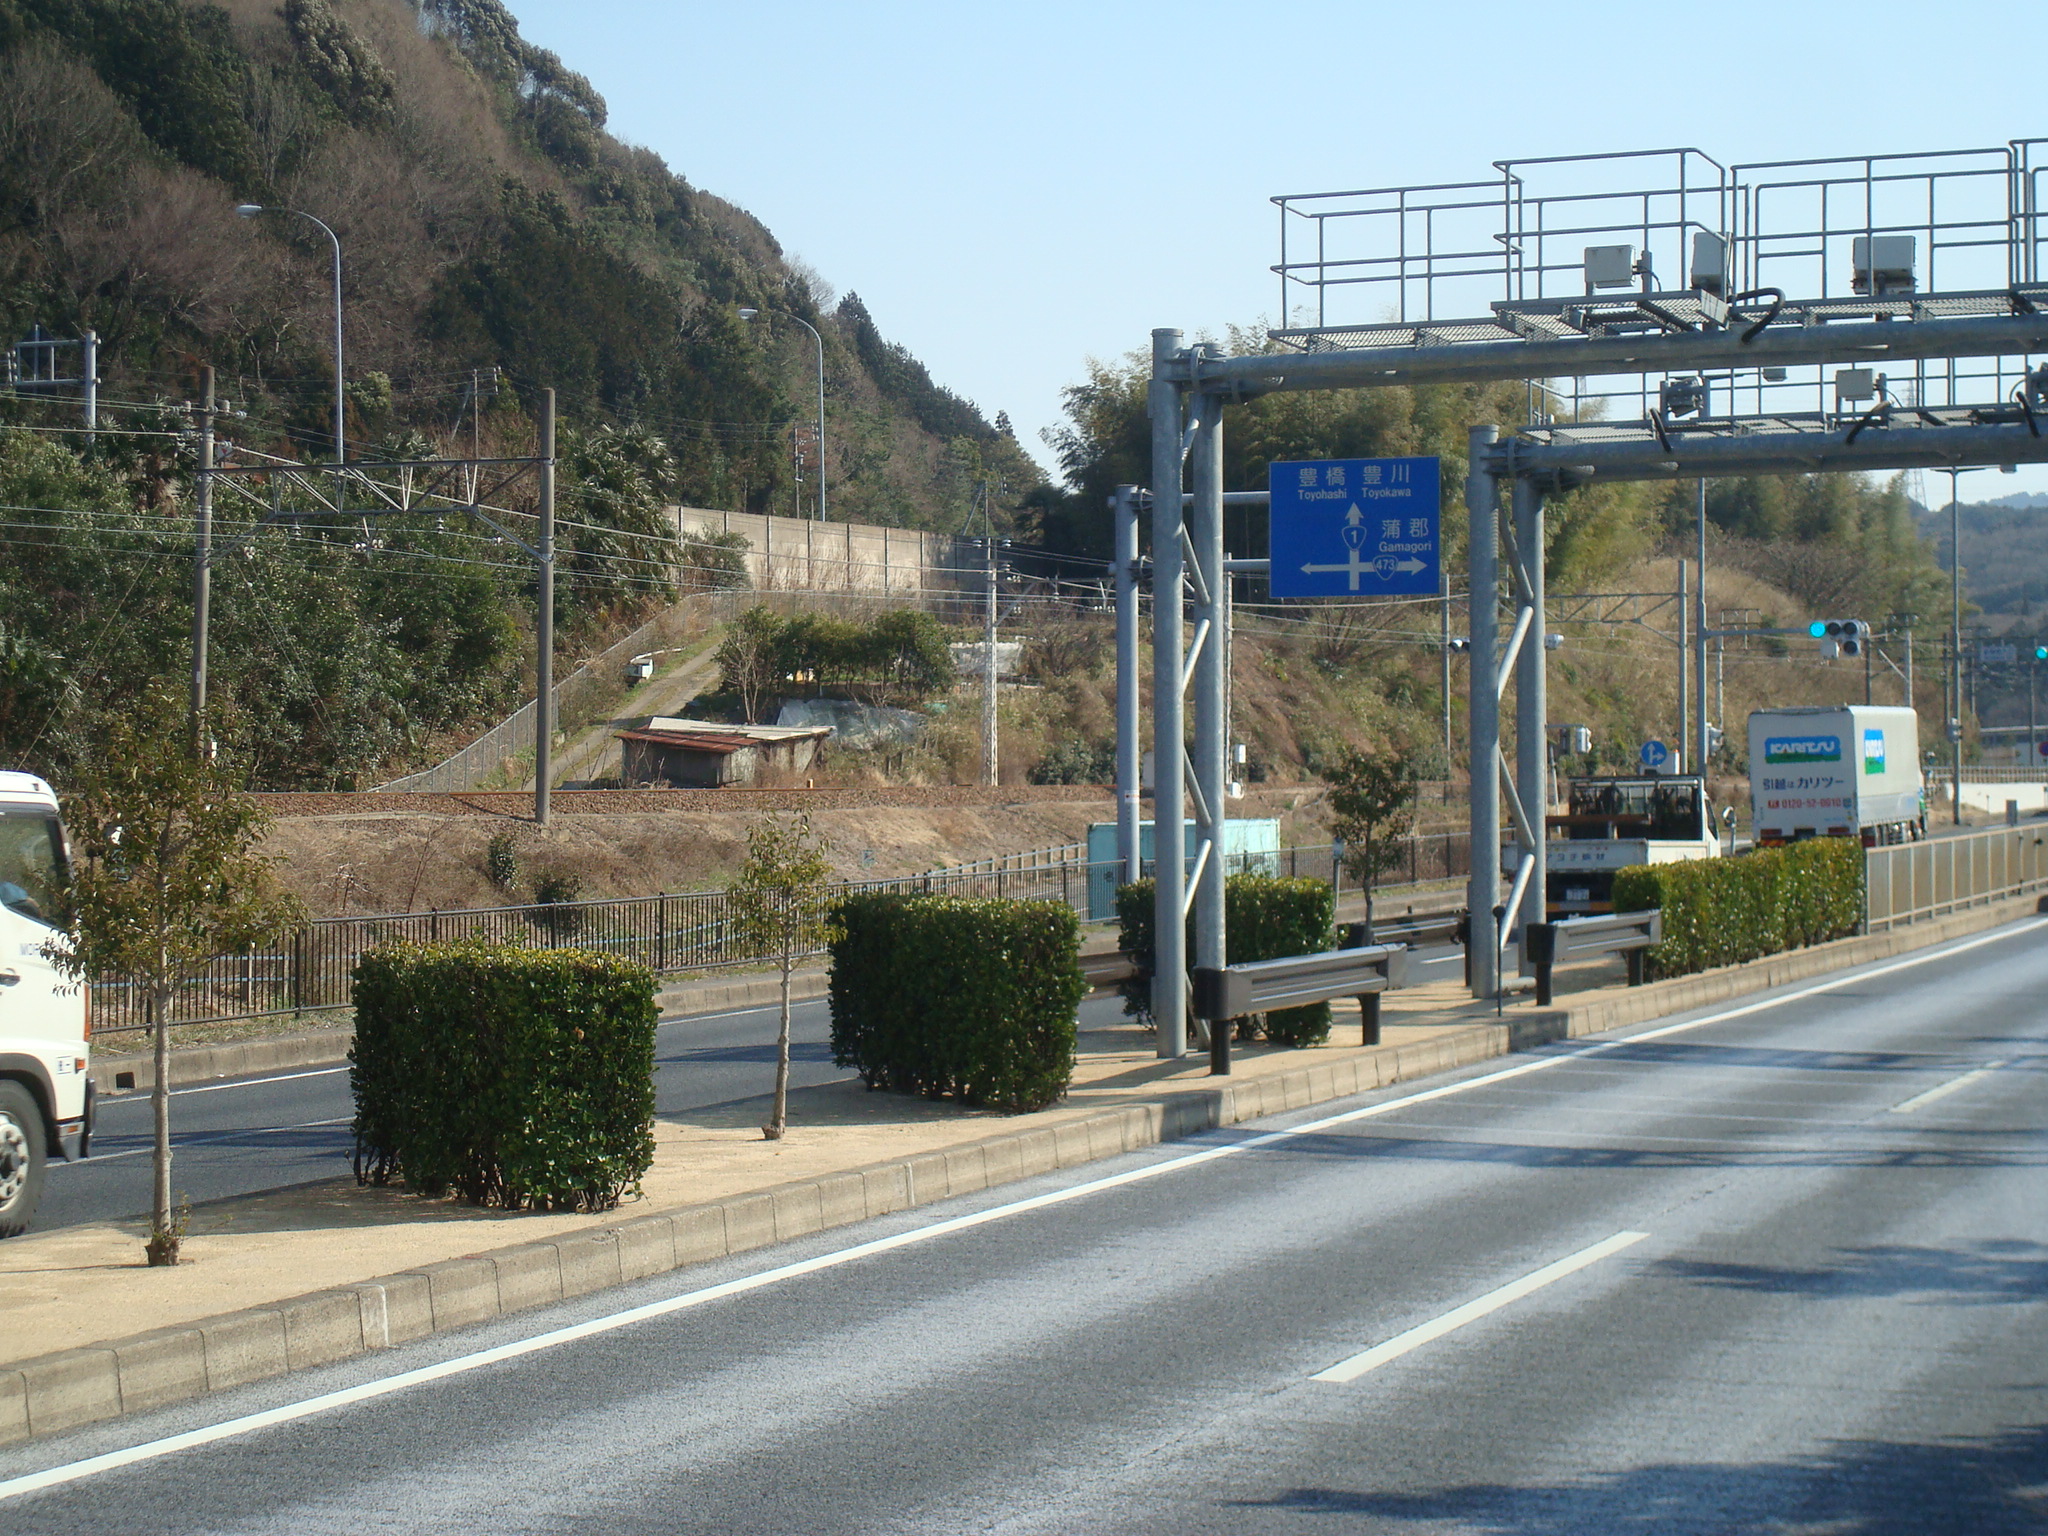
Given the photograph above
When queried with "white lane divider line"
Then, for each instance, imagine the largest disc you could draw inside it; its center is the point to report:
(229, 1429)
(212, 1138)
(1424, 1333)
(249, 1082)
(1943, 1090)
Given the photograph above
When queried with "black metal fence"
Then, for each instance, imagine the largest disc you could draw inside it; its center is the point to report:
(683, 932)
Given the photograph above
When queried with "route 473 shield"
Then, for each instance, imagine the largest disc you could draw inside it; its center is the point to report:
(1355, 528)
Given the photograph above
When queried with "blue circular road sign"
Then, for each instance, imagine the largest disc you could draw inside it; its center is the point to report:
(1655, 754)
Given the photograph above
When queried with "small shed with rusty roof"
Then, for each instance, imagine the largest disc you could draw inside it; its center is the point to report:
(705, 754)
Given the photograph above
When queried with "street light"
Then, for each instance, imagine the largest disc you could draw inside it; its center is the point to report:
(1955, 634)
(250, 211)
(749, 313)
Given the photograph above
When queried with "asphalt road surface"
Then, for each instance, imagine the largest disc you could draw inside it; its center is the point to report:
(1777, 1268)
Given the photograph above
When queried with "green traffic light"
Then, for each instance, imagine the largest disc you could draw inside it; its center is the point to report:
(2041, 653)
(1818, 629)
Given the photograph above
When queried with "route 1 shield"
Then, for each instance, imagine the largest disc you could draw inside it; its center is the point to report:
(1355, 527)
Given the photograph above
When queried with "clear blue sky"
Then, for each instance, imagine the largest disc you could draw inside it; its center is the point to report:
(1012, 190)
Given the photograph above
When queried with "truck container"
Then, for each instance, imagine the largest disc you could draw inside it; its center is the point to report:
(1849, 771)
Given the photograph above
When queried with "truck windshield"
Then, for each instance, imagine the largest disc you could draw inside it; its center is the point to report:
(31, 864)
(1636, 808)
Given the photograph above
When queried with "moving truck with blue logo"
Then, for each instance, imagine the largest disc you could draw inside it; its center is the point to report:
(1852, 771)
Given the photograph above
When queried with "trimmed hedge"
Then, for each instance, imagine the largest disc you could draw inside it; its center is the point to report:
(1730, 911)
(951, 997)
(1265, 918)
(514, 1076)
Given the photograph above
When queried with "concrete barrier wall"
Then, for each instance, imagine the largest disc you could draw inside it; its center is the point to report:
(801, 554)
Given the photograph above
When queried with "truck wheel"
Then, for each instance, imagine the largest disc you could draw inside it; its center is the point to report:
(22, 1154)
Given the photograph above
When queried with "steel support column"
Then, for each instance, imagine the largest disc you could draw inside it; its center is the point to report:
(1482, 746)
(1532, 777)
(1128, 755)
(1169, 932)
(1210, 750)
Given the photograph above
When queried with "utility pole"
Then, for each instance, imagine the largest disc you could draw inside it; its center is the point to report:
(1444, 646)
(1909, 669)
(202, 567)
(1125, 503)
(89, 382)
(990, 766)
(1700, 628)
(1684, 666)
(544, 657)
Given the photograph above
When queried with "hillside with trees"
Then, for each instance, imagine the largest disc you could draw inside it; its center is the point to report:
(496, 241)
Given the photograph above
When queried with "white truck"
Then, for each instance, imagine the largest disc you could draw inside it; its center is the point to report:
(1851, 771)
(46, 1098)
(1610, 823)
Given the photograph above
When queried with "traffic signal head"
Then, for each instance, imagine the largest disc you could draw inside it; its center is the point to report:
(1840, 637)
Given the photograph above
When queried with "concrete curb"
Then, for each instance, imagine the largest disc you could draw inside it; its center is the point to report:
(62, 1391)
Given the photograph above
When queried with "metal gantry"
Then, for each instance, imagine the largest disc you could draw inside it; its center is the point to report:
(1666, 268)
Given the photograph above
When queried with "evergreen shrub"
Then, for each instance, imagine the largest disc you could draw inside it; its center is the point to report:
(516, 1077)
(1731, 911)
(954, 997)
(1265, 918)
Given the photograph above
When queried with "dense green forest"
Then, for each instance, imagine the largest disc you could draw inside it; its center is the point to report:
(496, 241)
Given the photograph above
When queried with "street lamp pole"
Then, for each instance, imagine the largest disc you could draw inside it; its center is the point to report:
(748, 314)
(250, 211)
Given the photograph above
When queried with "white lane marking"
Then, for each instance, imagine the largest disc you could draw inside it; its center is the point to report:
(256, 1082)
(1372, 1359)
(367, 1391)
(1943, 1090)
(201, 1141)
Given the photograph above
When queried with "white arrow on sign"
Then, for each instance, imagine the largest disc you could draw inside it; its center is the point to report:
(1381, 566)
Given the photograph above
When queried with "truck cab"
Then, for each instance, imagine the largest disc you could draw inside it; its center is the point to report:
(46, 1100)
(1610, 823)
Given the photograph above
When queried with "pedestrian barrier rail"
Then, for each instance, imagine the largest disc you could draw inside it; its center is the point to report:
(1582, 938)
(1911, 882)
(688, 931)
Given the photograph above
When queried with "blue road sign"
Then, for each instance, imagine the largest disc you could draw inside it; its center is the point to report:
(1364, 527)
(1654, 754)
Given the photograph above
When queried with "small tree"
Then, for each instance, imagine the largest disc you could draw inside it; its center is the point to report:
(167, 879)
(749, 657)
(1372, 799)
(782, 904)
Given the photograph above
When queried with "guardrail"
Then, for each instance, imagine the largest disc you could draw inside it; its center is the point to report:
(1911, 882)
(1581, 938)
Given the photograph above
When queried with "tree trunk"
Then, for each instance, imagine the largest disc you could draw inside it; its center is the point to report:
(162, 1247)
(778, 1118)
